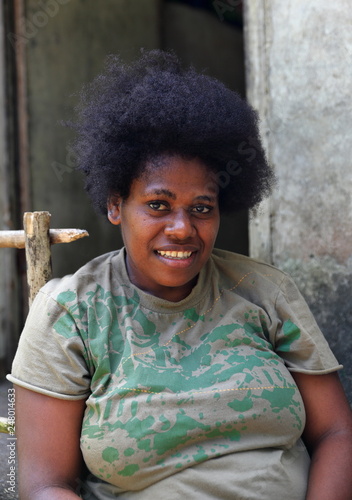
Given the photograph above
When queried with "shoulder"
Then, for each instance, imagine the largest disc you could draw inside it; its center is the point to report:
(251, 279)
(95, 273)
(237, 266)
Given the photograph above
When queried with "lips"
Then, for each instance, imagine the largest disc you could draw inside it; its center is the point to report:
(173, 254)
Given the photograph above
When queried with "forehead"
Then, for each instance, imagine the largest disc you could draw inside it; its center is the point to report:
(177, 174)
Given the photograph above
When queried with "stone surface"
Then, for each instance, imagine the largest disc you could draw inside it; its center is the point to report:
(306, 108)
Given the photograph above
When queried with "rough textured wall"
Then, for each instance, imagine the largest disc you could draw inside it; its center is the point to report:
(304, 62)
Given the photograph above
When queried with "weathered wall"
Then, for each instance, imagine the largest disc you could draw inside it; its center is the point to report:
(300, 78)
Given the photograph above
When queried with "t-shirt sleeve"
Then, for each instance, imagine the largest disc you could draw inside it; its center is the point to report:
(298, 339)
(51, 355)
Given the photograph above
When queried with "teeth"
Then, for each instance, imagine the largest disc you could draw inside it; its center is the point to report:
(174, 255)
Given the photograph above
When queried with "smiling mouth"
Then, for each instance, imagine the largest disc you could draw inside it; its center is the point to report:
(174, 255)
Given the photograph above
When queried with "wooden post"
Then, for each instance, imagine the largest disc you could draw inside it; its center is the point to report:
(38, 255)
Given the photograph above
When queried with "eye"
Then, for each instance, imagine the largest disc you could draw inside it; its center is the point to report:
(157, 206)
(202, 209)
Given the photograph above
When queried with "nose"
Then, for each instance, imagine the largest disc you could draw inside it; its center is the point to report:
(180, 225)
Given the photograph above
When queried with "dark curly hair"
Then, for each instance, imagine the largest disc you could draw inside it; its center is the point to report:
(132, 114)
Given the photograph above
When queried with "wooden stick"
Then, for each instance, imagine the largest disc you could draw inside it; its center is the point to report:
(16, 239)
(12, 239)
(38, 255)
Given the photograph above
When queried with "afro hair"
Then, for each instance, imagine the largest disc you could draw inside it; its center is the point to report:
(134, 113)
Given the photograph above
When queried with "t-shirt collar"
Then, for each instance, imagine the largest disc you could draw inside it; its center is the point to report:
(200, 290)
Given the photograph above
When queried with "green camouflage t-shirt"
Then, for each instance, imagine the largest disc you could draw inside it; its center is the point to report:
(192, 399)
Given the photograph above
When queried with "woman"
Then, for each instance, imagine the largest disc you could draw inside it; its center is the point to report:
(168, 367)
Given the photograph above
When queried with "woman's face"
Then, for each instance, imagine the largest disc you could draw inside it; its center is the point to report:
(169, 224)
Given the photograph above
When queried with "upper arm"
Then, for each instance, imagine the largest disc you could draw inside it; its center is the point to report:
(327, 408)
(48, 440)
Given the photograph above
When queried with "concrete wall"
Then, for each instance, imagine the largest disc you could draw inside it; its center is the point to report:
(300, 79)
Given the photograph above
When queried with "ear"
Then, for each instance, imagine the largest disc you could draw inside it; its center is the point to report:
(113, 207)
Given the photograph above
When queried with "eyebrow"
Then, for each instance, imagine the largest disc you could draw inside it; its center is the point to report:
(170, 194)
(205, 197)
(165, 192)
